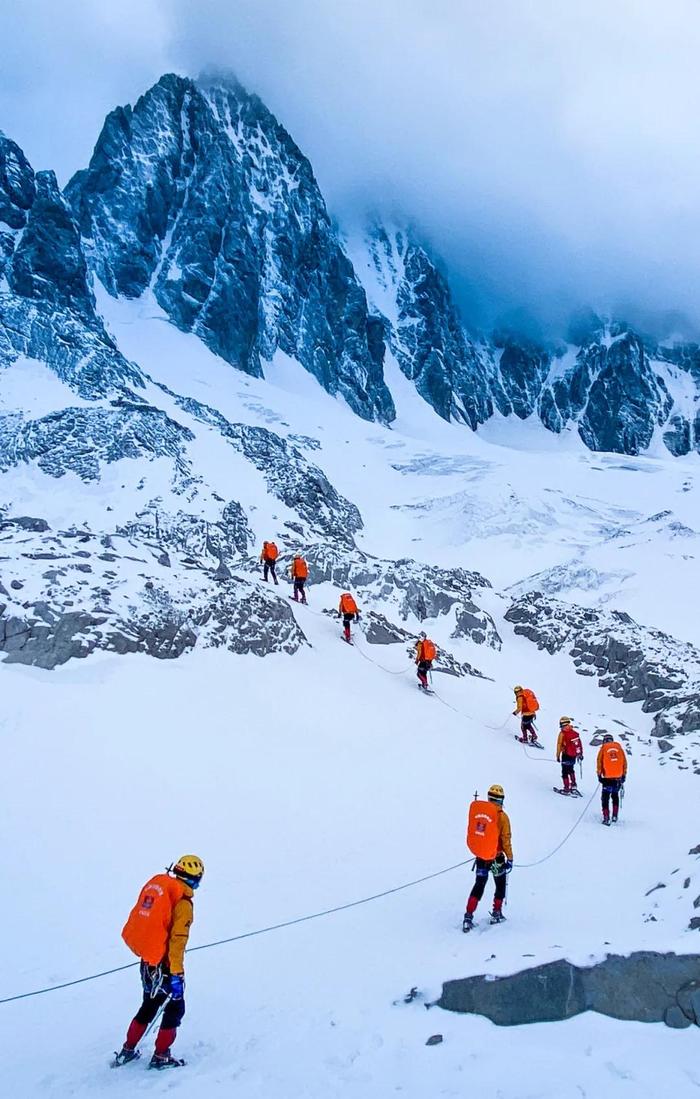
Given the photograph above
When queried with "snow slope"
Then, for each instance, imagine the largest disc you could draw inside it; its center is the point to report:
(312, 781)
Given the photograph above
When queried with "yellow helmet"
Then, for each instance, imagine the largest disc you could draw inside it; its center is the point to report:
(517, 690)
(189, 867)
(496, 793)
(565, 720)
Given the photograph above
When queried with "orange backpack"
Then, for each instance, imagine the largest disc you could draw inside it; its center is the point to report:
(270, 550)
(483, 833)
(530, 703)
(613, 760)
(299, 568)
(347, 604)
(427, 650)
(147, 930)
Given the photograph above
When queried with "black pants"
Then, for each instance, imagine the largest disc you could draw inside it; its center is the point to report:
(299, 582)
(568, 765)
(155, 981)
(347, 619)
(483, 869)
(610, 791)
(422, 669)
(269, 566)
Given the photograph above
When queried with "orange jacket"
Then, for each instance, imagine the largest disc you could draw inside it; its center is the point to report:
(347, 604)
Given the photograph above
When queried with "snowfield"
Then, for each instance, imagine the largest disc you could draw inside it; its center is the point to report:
(311, 781)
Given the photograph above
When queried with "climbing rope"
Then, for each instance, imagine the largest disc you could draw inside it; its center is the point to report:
(574, 826)
(246, 934)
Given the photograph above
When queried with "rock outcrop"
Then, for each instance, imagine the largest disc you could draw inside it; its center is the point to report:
(635, 663)
(645, 986)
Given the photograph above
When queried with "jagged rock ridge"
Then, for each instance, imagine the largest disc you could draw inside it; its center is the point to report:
(217, 211)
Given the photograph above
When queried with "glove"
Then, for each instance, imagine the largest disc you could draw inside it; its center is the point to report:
(622, 780)
(177, 986)
(580, 759)
(558, 759)
(515, 713)
(601, 780)
(508, 865)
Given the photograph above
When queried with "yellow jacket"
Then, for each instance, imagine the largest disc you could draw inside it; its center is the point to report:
(505, 846)
(183, 918)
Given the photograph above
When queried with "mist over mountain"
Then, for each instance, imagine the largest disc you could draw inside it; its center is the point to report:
(547, 153)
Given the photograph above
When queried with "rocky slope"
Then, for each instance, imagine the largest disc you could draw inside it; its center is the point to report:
(633, 662)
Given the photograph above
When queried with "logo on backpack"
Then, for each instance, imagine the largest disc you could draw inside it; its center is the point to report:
(483, 833)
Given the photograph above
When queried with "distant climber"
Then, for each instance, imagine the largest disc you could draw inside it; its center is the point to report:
(347, 610)
(611, 766)
(489, 840)
(157, 931)
(526, 705)
(569, 752)
(269, 556)
(299, 572)
(425, 652)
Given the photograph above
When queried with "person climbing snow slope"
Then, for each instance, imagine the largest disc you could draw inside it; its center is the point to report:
(347, 610)
(569, 752)
(425, 652)
(299, 572)
(611, 766)
(526, 705)
(489, 840)
(268, 557)
(157, 931)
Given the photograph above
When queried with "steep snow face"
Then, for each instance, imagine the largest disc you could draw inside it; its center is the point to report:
(199, 193)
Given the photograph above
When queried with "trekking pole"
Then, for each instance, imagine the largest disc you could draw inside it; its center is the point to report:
(153, 1022)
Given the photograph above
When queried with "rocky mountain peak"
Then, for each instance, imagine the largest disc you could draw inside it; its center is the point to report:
(220, 216)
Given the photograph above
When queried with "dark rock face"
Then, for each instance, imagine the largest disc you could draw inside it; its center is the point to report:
(47, 311)
(615, 388)
(645, 986)
(633, 662)
(451, 371)
(221, 213)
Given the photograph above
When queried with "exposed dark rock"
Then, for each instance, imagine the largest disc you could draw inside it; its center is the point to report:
(645, 986)
(635, 663)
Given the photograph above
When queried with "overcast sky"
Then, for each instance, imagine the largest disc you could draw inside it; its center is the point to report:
(548, 148)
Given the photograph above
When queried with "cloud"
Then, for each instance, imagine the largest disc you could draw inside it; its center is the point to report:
(548, 150)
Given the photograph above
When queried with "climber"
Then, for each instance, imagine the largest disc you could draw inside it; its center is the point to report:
(489, 840)
(157, 931)
(569, 751)
(299, 571)
(347, 610)
(269, 556)
(526, 705)
(425, 652)
(611, 766)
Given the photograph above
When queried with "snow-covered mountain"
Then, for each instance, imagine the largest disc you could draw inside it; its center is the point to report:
(193, 359)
